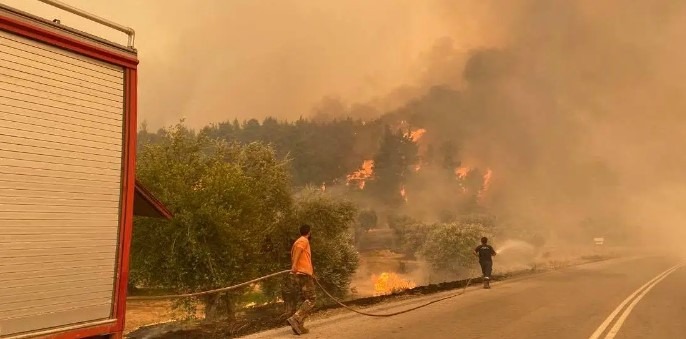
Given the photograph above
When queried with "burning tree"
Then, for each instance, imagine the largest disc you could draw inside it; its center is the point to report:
(359, 178)
(393, 164)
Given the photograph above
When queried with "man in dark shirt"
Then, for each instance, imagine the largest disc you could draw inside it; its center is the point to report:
(485, 253)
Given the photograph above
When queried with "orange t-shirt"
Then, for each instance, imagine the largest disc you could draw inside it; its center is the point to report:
(304, 264)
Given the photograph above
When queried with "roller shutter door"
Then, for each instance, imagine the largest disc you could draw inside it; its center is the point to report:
(61, 131)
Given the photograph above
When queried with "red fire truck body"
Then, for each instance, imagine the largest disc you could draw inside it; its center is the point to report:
(68, 191)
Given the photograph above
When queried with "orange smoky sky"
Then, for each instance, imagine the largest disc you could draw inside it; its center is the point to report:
(216, 60)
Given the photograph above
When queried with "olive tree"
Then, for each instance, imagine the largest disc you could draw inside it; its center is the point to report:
(226, 198)
(367, 219)
(449, 247)
(410, 234)
(334, 256)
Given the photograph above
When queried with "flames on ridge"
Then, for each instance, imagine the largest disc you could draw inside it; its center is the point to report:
(365, 173)
(360, 177)
(487, 182)
(416, 134)
(462, 172)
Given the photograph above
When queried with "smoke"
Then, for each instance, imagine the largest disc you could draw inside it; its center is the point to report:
(578, 113)
(216, 60)
(576, 105)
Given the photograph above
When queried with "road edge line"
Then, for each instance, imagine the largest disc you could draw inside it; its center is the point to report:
(599, 331)
(620, 321)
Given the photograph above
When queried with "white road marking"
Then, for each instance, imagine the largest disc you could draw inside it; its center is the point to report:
(618, 325)
(641, 292)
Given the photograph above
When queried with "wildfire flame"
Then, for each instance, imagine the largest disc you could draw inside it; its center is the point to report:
(416, 134)
(389, 283)
(487, 182)
(461, 174)
(366, 172)
(361, 176)
(403, 193)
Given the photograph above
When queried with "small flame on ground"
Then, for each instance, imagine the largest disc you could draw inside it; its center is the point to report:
(360, 176)
(403, 193)
(389, 283)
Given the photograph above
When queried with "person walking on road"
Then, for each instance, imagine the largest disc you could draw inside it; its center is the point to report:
(302, 274)
(485, 252)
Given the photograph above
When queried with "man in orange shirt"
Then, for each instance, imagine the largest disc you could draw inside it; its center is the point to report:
(303, 274)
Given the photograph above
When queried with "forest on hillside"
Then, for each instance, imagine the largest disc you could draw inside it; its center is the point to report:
(238, 190)
(398, 159)
(441, 171)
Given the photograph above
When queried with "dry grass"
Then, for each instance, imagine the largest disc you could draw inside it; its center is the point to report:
(142, 313)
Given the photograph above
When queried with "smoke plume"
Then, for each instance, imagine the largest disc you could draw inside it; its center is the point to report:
(577, 112)
(576, 105)
(216, 60)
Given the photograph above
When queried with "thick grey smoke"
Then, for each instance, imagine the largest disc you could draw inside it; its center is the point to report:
(578, 113)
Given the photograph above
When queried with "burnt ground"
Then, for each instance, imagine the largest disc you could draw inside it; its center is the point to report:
(269, 317)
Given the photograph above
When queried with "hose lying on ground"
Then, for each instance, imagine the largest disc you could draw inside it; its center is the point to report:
(224, 289)
(394, 313)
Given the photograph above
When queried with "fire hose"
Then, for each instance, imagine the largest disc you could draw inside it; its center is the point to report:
(224, 289)
(394, 313)
(198, 294)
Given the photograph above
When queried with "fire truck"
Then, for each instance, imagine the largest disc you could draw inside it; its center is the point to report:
(68, 192)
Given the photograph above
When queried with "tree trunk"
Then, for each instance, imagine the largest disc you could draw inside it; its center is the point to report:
(219, 307)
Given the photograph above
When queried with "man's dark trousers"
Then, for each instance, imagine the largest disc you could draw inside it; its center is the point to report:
(486, 268)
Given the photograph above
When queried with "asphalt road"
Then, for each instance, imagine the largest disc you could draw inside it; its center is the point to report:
(577, 302)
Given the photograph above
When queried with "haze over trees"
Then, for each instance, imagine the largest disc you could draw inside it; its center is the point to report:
(239, 191)
(541, 141)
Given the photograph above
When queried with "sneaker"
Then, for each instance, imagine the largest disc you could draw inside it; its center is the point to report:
(295, 326)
